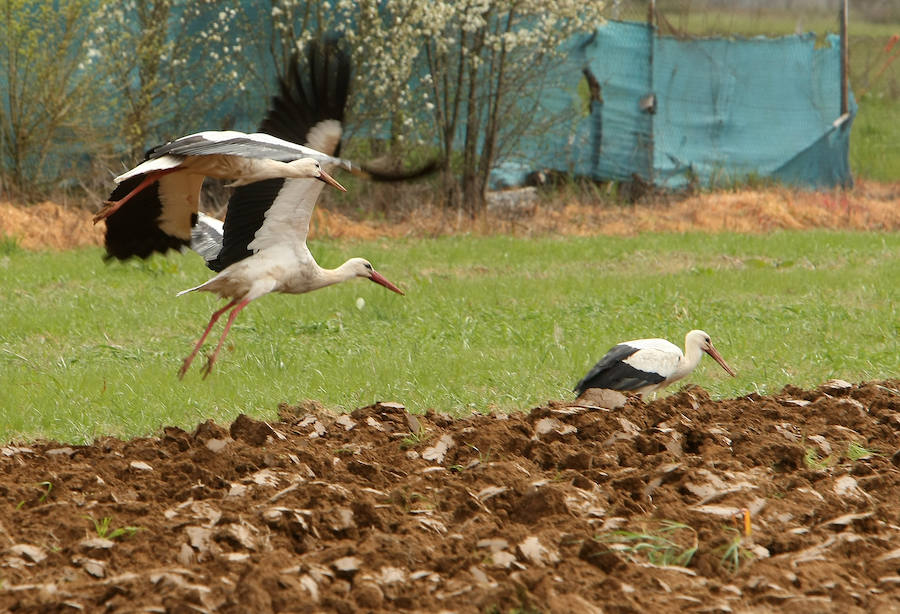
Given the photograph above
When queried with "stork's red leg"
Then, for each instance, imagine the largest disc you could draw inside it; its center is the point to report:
(212, 320)
(113, 205)
(231, 317)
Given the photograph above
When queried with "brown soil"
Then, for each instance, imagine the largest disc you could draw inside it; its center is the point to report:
(406, 211)
(380, 511)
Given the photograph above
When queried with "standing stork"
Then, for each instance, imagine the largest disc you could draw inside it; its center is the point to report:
(262, 246)
(648, 365)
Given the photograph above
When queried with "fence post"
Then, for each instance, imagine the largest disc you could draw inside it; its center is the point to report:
(845, 56)
(651, 19)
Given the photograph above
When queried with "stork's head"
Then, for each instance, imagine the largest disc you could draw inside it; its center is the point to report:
(363, 268)
(310, 168)
(702, 341)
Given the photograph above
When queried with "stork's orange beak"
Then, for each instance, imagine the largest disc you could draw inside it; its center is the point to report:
(378, 278)
(323, 176)
(718, 358)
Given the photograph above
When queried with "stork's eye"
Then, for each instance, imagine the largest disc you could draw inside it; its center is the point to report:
(368, 266)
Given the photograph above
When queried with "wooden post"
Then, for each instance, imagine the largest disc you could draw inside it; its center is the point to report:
(845, 57)
(651, 145)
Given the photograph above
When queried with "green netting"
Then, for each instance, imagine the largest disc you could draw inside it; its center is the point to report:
(712, 111)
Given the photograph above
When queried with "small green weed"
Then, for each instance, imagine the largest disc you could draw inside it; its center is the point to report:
(102, 528)
(46, 487)
(812, 461)
(415, 438)
(658, 546)
(9, 245)
(734, 554)
(483, 457)
(856, 452)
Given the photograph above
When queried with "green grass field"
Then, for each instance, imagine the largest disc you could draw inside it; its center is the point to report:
(89, 348)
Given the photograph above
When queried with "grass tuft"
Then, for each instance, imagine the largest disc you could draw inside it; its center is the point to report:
(9, 245)
(658, 546)
(103, 528)
(856, 452)
(734, 554)
(812, 460)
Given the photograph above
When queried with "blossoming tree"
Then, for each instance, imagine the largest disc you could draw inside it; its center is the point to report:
(462, 76)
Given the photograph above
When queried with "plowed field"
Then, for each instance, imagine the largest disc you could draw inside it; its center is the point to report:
(683, 504)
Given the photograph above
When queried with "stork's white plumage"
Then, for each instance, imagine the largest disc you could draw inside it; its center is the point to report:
(648, 365)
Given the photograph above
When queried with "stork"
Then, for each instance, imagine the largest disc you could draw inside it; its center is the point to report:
(262, 247)
(647, 365)
(229, 154)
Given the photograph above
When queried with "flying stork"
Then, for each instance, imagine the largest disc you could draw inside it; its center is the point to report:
(182, 164)
(262, 246)
(647, 365)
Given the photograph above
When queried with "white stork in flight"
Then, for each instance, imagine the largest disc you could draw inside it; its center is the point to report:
(647, 365)
(182, 164)
(261, 247)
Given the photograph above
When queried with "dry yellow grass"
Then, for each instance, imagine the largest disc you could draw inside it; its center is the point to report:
(868, 206)
(49, 226)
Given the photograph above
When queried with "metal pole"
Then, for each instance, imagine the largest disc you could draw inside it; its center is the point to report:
(845, 57)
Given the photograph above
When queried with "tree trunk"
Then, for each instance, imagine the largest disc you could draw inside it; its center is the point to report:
(496, 95)
(472, 186)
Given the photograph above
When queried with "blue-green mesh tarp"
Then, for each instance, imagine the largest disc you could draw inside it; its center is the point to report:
(714, 111)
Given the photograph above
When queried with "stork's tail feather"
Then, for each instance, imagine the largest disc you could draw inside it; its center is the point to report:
(206, 236)
(374, 174)
(195, 288)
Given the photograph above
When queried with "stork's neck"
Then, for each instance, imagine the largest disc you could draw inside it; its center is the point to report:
(329, 277)
(250, 170)
(690, 360)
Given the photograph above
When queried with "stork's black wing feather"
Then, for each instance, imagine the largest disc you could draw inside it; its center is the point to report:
(305, 99)
(242, 221)
(321, 94)
(611, 373)
(134, 230)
